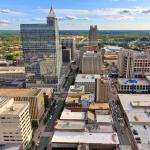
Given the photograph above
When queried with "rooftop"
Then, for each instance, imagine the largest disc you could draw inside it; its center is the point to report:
(20, 92)
(104, 119)
(86, 77)
(69, 125)
(124, 81)
(71, 100)
(87, 97)
(12, 70)
(112, 48)
(97, 106)
(72, 115)
(10, 146)
(15, 109)
(4, 100)
(85, 138)
(76, 88)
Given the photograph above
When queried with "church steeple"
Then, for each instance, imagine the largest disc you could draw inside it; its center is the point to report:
(51, 13)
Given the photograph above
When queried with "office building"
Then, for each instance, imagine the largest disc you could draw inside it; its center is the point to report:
(66, 55)
(69, 43)
(88, 80)
(91, 63)
(15, 123)
(102, 90)
(12, 73)
(42, 52)
(35, 98)
(133, 64)
(136, 110)
(93, 35)
(133, 85)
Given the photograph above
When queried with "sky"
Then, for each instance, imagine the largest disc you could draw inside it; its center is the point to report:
(77, 14)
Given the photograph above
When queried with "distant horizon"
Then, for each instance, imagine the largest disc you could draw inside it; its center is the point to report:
(77, 15)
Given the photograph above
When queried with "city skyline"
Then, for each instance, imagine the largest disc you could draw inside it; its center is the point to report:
(73, 15)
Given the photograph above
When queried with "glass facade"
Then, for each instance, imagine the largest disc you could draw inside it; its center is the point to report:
(42, 51)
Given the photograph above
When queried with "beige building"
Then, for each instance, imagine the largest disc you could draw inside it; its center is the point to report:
(88, 80)
(33, 96)
(91, 63)
(76, 91)
(15, 123)
(132, 64)
(102, 89)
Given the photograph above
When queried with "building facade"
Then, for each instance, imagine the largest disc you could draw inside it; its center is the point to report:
(91, 63)
(93, 35)
(15, 123)
(69, 43)
(35, 97)
(102, 89)
(133, 64)
(88, 80)
(42, 52)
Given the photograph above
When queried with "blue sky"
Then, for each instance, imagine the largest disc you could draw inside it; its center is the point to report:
(78, 14)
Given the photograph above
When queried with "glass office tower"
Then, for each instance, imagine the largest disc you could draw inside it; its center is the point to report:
(42, 52)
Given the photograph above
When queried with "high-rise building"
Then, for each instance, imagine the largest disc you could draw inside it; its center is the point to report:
(66, 55)
(69, 42)
(35, 97)
(15, 123)
(42, 52)
(91, 63)
(93, 35)
(102, 90)
(132, 64)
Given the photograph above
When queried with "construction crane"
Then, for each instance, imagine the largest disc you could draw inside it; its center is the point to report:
(146, 47)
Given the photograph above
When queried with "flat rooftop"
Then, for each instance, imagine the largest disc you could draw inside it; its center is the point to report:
(71, 100)
(97, 106)
(76, 88)
(4, 100)
(10, 147)
(104, 119)
(85, 138)
(20, 92)
(15, 109)
(86, 78)
(69, 125)
(124, 81)
(72, 115)
(12, 70)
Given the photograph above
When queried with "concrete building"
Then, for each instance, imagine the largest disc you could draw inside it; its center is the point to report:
(133, 85)
(69, 43)
(93, 35)
(102, 90)
(15, 123)
(136, 108)
(66, 55)
(133, 64)
(33, 96)
(88, 80)
(12, 73)
(76, 91)
(42, 52)
(91, 63)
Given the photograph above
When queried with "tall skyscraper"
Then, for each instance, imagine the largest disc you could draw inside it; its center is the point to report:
(42, 52)
(102, 90)
(93, 35)
(91, 63)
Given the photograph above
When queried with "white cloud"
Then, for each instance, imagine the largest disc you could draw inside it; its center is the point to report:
(8, 11)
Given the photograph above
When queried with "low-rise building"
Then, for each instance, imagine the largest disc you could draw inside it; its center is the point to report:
(76, 90)
(15, 123)
(133, 85)
(88, 80)
(33, 96)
